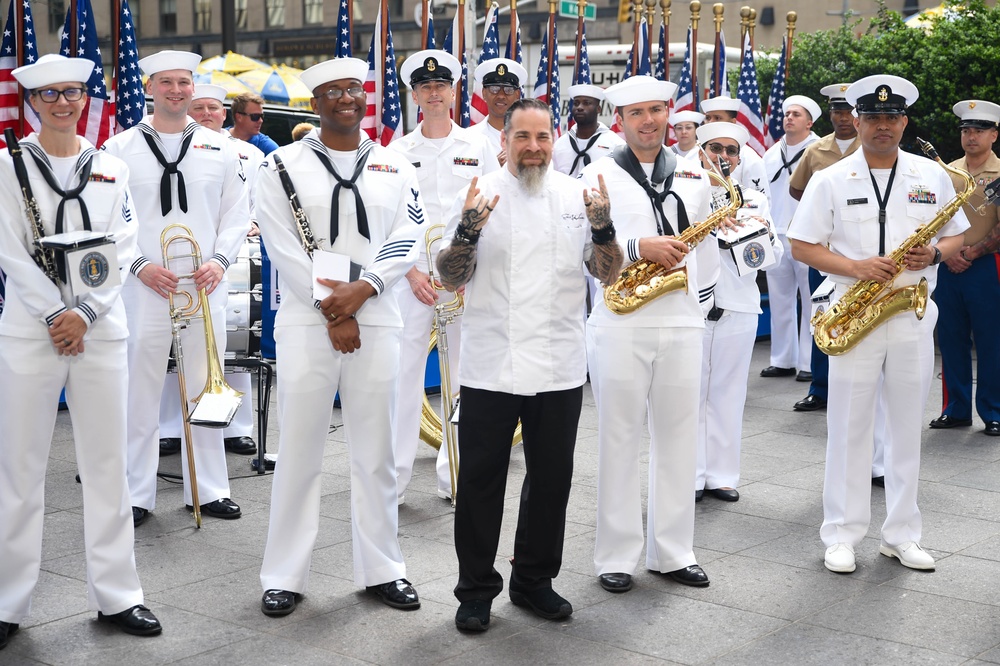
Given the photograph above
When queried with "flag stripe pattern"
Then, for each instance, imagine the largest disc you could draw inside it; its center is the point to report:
(11, 105)
(748, 93)
(382, 87)
(541, 81)
(687, 96)
(775, 114)
(491, 49)
(95, 122)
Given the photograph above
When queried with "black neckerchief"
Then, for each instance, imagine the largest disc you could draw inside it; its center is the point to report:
(663, 173)
(82, 169)
(364, 149)
(152, 138)
(882, 201)
(786, 164)
(582, 154)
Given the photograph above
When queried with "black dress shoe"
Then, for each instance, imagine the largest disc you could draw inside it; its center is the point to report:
(7, 629)
(772, 371)
(138, 621)
(692, 575)
(699, 495)
(992, 428)
(398, 594)
(170, 446)
(278, 602)
(878, 481)
(725, 494)
(224, 508)
(473, 615)
(804, 376)
(946, 421)
(139, 515)
(616, 582)
(243, 446)
(544, 602)
(810, 403)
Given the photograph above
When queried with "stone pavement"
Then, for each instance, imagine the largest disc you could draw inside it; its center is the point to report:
(770, 599)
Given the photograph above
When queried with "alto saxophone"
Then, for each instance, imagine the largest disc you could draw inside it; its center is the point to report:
(868, 304)
(643, 281)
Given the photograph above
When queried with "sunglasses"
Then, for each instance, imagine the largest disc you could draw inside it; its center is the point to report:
(496, 90)
(51, 95)
(255, 117)
(337, 93)
(718, 148)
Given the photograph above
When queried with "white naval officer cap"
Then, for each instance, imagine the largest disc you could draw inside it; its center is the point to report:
(977, 113)
(687, 117)
(586, 90)
(636, 89)
(430, 65)
(811, 107)
(168, 60)
(54, 68)
(711, 131)
(501, 71)
(335, 69)
(835, 96)
(209, 91)
(720, 103)
(881, 93)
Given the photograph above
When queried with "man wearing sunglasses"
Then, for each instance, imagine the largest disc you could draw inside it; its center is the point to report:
(501, 79)
(248, 116)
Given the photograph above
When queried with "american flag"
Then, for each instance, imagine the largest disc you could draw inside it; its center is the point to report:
(687, 94)
(541, 81)
(748, 93)
(343, 47)
(491, 49)
(128, 96)
(645, 65)
(775, 115)
(516, 32)
(95, 123)
(11, 104)
(451, 46)
(382, 118)
(719, 70)
(660, 73)
(581, 73)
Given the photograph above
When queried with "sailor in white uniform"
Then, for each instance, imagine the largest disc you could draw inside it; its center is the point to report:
(685, 124)
(750, 173)
(588, 140)
(501, 79)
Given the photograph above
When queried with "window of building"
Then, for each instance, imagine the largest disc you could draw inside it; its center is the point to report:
(133, 10)
(241, 14)
(313, 11)
(910, 7)
(275, 13)
(57, 15)
(168, 16)
(202, 15)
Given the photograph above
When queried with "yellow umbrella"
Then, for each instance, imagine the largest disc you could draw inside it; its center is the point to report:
(232, 85)
(925, 19)
(231, 63)
(292, 71)
(278, 87)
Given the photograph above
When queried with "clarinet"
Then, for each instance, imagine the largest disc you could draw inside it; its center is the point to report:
(45, 258)
(299, 215)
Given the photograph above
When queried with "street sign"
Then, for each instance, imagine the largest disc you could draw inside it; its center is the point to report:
(571, 9)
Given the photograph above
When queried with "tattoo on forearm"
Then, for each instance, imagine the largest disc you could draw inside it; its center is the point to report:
(989, 244)
(456, 264)
(606, 262)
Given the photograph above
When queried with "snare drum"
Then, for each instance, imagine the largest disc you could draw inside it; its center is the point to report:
(243, 311)
(245, 273)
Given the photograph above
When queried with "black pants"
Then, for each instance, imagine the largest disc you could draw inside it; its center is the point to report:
(487, 420)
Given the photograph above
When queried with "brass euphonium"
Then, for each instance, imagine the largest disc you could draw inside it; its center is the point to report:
(867, 304)
(643, 281)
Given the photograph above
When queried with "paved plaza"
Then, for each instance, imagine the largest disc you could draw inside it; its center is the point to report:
(771, 601)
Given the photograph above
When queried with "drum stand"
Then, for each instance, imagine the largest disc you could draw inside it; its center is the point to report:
(263, 369)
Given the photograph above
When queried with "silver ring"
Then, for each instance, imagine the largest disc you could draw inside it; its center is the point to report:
(65, 342)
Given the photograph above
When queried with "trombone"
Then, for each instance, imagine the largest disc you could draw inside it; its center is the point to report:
(217, 403)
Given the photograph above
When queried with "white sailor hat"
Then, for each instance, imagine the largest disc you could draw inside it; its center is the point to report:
(977, 113)
(586, 90)
(430, 65)
(881, 93)
(711, 131)
(501, 71)
(687, 117)
(835, 96)
(811, 107)
(54, 68)
(641, 88)
(209, 90)
(334, 69)
(168, 60)
(720, 103)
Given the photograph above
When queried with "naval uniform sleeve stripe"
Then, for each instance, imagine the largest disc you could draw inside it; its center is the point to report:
(375, 281)
(390, 255)
(221, 260)
(139, 264)
(633, 249)
(88, 311)
(706, 293)
(52, 317)
(317, 304)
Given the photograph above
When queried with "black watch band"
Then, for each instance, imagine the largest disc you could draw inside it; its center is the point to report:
(937, 257)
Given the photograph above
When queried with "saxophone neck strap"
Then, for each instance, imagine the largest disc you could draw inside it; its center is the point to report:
(663, 174)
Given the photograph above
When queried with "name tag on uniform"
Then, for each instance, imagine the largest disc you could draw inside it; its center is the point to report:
(88, 260)
(857, 202)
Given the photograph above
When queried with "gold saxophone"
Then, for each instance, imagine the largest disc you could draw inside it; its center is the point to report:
(643, 281)
(868, 304)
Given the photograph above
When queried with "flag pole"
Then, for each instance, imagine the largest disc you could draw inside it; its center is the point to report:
(512, 39)
(581, 6)
(717, 9)
(650, 15)
(74, 30)
(636, 36)
(744, 27)
(19, 47)
(424, 9)
(791, 18)
(460, 41)
(665, 19)
(383, 47)
(695, 15)
(751, 26)
(116, 15)
(552, 52)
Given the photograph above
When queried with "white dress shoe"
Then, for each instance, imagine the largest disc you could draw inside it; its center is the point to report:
(840, 558)
(909, 554)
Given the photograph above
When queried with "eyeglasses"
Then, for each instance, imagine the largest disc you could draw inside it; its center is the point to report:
(255, 117)
(337, 93)
(51, 95)
(496, 90)
(717, 148)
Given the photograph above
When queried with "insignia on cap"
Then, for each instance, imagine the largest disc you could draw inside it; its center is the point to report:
(883, 93)
(501, 70)
(972, 105)
(430, 64)
(844, 88)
